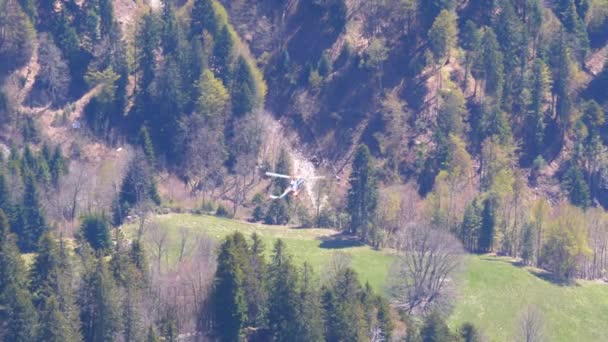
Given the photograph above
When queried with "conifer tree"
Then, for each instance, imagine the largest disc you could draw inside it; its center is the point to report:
(434, 329)
(471, 225)
(344, 312)
(146, 144)
(96, 231)
(363, 193)
(99, 312)
(229, 302)
(31, 216)
(223, 54)
(491, 60)
(488, 222)
(255, 282)
(244, 89)
(203, 18)
(17, 313)
(283, 301)
(540, 88)
(309, 311)
(443, 35)
(54, 326)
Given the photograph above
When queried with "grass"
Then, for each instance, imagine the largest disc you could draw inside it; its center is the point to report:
(494, 291)
(315, 246)
(491, 293)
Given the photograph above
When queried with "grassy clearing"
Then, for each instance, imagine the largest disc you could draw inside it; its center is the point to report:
(494, 291)
(315, 246)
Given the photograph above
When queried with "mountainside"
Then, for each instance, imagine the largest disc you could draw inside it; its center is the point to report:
(407, 133)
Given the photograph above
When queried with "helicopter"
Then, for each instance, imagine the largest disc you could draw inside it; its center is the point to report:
(296, 184)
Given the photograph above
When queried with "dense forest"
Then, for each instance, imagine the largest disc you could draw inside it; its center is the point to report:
(442, 129)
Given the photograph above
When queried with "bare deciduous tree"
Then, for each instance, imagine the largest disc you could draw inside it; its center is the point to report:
(531, 325)
(427, 264)
(157, 237)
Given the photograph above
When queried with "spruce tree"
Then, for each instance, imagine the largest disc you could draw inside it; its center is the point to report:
(32, 219)
(17, 313)
(229, 303)
(203, 18)
(283, 300)
(255, 283)
(99, 312)
(95, 230)
(363, 193)
(540, 87)
(491, 60)
(54, 326)
(434, 329)
(488, 222)
(223, 54)
(471, 226)
(244, 89)
(309, 310)
(344, 312)
(146, 144)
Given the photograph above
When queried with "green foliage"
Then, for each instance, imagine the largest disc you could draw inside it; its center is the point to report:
(229, 302)
(244, 92)
(16, 310)
(488, 225)
(31, 222)
(95, 230)
(203, 18)
(18, 37)
(283, 301)
(443, 35)
(99, 312)
(576, 186)
(146, 144)
(434, 329)
(345, 315)
(278, 213)
(491, 64)
(363, 193)
(471, 225)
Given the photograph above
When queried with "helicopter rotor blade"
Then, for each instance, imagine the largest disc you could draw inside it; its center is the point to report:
(278, 175)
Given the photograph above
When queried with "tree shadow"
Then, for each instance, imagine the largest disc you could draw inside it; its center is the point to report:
(539, 273)
(340, 241)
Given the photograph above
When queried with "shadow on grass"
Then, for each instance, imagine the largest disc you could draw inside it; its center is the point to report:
(340, 241)
(539, 273)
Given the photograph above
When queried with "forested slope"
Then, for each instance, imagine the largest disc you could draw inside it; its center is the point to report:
(444, 127)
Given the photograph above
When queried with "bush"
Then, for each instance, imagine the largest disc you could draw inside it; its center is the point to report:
(278, 213)
(95, 230)
(258, 214)
(222, 211)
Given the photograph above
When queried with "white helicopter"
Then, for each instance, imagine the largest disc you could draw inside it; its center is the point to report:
(295, 185)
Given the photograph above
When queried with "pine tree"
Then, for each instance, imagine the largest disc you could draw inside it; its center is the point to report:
(488, 222)
(5, 198)
(528, 244)
(223, 54)
(54, 326)
(283, 301)
(471, 225)
(255, 282)
(562, 72)
(363, 193)
(229, 302)
(434, 329)
(577, 187)
(244, 95)
(99, 313)
(492, 64)
(203, 18)
(33, 223)
(17, 313)
(443, 35)
(540, 87)
(95, 230)
(146, 144)
(309, 311)
(344, 312)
